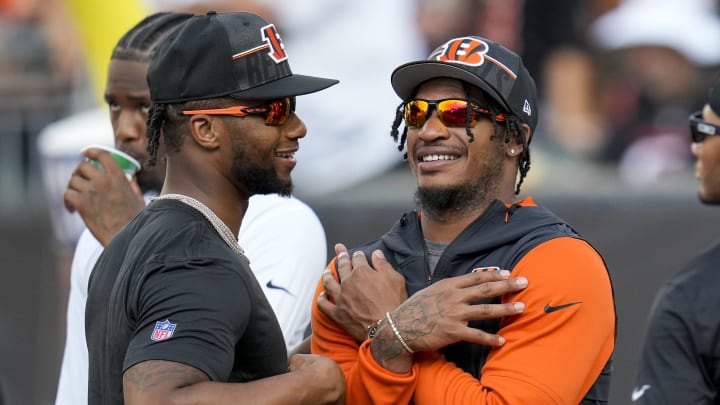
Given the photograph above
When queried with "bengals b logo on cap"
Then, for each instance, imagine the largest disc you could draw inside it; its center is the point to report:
(465, 50)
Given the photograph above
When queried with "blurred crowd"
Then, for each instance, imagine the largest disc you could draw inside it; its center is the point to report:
(617, 78)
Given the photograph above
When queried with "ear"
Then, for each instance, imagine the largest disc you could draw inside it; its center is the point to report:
(513, 148)
(205, 131)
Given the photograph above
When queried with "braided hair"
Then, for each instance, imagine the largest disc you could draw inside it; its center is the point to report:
(138, 45)
(513, 131)
(142, 40)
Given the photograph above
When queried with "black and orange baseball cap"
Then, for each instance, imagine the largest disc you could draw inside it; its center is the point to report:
(236, 54)
(488, 65)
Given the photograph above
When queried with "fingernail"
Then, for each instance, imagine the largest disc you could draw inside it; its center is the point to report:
(342, 254)
(521, 282)
(358, 253)
(505, 273)
(501, 340)
(380, 254)
(519, 306)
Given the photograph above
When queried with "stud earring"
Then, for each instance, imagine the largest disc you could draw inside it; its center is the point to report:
(512, 151)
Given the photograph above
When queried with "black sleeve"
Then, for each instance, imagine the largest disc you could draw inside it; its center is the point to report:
(671, 369)
(192, 312)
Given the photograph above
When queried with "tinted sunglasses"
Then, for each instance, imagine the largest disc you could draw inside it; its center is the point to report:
(276, 113)
(452, 112)
(701, 129)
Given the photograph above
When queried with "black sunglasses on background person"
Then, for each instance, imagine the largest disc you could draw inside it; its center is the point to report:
(701, 129)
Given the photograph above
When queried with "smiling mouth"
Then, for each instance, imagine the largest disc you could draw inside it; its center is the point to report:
(285, 155)
(435, 158)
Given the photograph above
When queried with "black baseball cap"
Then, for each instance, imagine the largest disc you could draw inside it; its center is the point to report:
(234, 54)
(483, 63)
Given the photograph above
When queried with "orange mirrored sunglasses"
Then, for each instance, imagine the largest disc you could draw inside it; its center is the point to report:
(452, 112)
(276, 113)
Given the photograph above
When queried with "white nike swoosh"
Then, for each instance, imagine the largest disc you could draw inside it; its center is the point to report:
(638, 392)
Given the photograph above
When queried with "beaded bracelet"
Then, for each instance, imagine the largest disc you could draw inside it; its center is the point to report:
(397, 334)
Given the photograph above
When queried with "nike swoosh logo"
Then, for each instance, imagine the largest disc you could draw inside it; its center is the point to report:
(549, 308)
(639, 392)
(277, 287)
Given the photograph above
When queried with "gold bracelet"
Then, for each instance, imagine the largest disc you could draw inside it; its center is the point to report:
(397, 334)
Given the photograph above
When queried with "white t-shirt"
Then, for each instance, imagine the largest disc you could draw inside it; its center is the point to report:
(286, 245)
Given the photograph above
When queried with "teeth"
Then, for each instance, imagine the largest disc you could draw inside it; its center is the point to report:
(432, 158)
(286, 155)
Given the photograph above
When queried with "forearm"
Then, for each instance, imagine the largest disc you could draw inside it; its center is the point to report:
(168, 383)
(285, 389)
(367, 382)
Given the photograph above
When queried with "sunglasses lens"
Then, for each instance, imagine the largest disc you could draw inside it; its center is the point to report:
(279, 111)
(453, 113)
(415, 113)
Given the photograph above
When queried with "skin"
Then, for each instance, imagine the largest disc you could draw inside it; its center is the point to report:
(210, 167)
(105, 200)
(437, 315)
(707, 166)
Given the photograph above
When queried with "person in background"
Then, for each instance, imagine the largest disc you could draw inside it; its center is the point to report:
(680, 359)
(107, 201)
(653, 69)
(468, 333)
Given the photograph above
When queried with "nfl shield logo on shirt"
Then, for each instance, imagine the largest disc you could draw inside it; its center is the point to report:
(163, 330)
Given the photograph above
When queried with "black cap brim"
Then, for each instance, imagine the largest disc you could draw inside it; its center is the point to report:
(407, 77)
(290, 86)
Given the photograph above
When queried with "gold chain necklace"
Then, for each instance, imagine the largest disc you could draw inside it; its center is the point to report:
(220, 227)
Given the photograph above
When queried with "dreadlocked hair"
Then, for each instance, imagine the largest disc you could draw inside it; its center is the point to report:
(156, 119)
(513, 132)
(140, 42)
(395, 133)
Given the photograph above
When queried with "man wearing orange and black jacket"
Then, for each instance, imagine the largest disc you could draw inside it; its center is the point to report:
(544, 336)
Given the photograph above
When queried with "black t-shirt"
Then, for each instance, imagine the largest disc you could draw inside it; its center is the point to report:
(168, 287)
(680, 362)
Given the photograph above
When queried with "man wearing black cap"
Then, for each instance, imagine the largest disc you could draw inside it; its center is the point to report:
(680, 361)
(174, 313)
(469, 334)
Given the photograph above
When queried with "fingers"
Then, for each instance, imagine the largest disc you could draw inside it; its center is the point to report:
(71, 199)
(326, 306)
(379, 261)
(480, 312)
(342, 263)
(480, 337)
(479, 276)
(359, 259)
(495, 288)
(330, 284)
(108, 163)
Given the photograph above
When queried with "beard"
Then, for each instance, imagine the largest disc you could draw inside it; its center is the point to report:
(460, 199)
(257, 179)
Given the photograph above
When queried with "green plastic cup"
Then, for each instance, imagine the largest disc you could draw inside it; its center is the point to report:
(127, 163)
